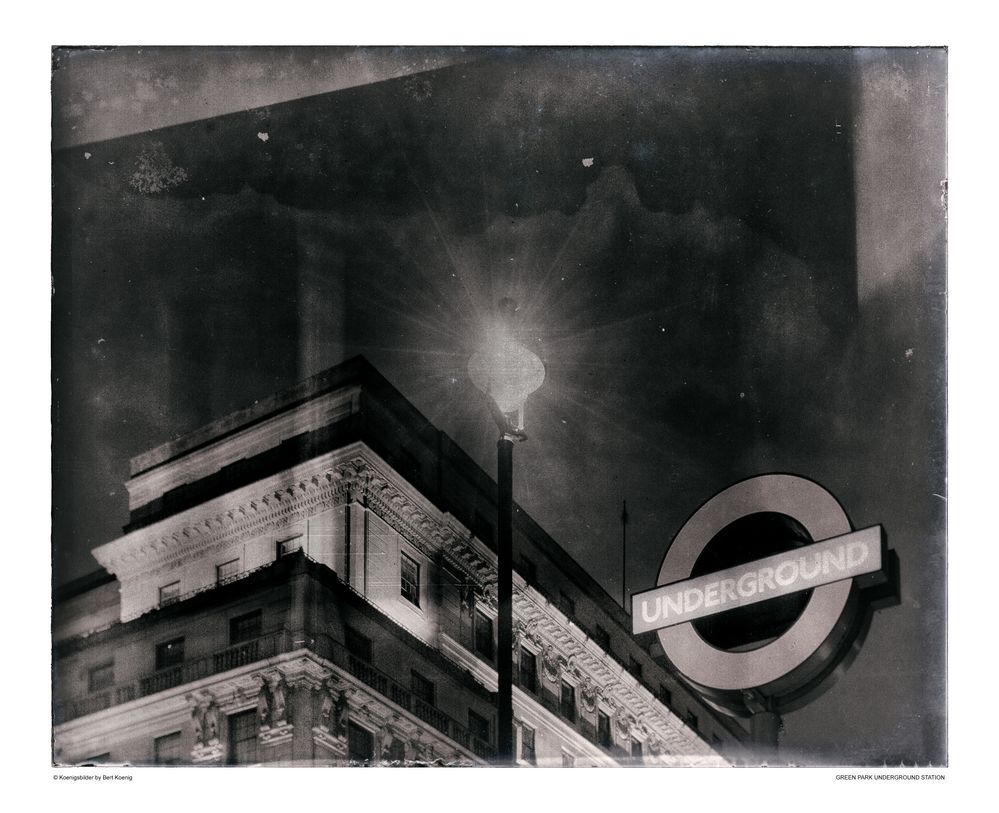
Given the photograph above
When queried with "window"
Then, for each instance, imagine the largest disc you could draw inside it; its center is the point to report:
(528, 670)
(243, 738)
(528, 570)
(358, 645)
(567, 704)
(603, 729)
(716, 741)
(226, 571)
(665, 696)
(634, 667)
(527, 752)
(602, 637)
(568, 760)
(409, 579)
(166, 749)
(484, 635)
(169, 593)
(100, 677)
(246, 627)
(478, 726)
(566, 605)
(360, 744)
(290, 545)
(691, 720)
(422, 688)
(169, 653)
(636, 749)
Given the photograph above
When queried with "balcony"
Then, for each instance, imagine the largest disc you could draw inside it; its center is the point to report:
(263, 648)
(401, 695)
(222, 661)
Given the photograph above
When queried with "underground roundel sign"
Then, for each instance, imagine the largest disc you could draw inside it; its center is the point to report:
(761, 593)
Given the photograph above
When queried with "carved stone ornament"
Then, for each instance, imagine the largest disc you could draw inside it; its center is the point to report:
(205, 720)
(551, 663)
(337, 746)
(487, 595)
(279, 709)
(263, 704)
(589, 693)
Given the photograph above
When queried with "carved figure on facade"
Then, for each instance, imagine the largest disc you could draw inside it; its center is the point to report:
(339, 725)
(327, 703)
(332, 729)
(589, 694)
(264, 704)
(279, 710)
(487, 594)
(654, 745)
(467, 597)
(197, 721)
(205, 721)
(551, 663)
(624, 723)
(212, 718)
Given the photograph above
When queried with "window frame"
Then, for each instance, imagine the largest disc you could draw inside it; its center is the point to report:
(414, 586)
(100, 685)
(528, 756)
(163, 649)
(486, 727)
(605, 736)
(243, 638)
(280, 551)
(354, 639)
(219, 578)
(174, 736)
(232, 724)
(565, 688)
(353, 727)
(426, 692)
(534, 683)
(170, 598)
(479, 614)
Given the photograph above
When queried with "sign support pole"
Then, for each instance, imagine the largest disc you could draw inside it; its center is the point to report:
(504, 595)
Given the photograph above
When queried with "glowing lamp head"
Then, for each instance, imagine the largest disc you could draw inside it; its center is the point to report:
(505, 370)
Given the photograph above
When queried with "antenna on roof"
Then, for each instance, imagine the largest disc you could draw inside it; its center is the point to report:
(624, 555)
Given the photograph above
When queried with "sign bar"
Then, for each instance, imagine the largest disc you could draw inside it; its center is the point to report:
(825, 562)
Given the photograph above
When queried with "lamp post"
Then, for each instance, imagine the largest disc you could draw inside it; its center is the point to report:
(507, 372)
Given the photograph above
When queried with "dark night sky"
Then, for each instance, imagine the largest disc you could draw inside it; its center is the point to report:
(730, 261)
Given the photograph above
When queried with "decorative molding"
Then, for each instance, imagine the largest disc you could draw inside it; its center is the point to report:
(355, 474)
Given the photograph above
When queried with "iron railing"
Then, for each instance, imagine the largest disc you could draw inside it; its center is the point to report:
(402, 696)
(268, 646)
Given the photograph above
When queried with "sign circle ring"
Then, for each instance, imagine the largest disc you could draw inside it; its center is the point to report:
(822, 516)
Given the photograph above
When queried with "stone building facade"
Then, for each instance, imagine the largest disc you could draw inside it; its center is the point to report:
(311, 581)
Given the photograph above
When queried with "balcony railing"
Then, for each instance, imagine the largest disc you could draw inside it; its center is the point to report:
(401, 696)
(222, 661)
(266, 647)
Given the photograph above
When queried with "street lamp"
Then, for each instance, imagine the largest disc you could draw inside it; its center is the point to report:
(507, 372)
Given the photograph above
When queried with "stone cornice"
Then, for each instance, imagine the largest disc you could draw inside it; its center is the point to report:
(355, 474)
(565, 649)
